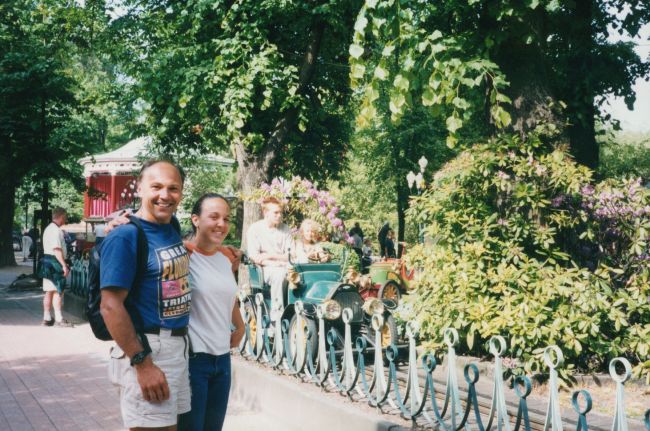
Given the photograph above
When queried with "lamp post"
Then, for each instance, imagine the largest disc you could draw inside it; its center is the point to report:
(417, 181)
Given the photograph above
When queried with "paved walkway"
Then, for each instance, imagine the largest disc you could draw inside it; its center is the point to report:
(56, 378)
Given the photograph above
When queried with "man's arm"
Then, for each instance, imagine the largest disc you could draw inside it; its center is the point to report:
(58, 253)
(152, 380)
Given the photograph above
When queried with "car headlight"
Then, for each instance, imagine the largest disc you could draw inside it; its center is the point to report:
(373, 306)
(331, 309)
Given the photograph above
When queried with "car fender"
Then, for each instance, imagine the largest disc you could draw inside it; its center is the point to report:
(389, 305)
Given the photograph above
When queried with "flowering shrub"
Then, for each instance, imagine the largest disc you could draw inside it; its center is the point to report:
(302, 199)
(522, 244)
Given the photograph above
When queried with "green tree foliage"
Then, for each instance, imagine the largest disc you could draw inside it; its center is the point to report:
(523, 245)
(370, 203)
(553, 59)
(389, 150)
(625, 155)
(37, 101)
(266, 79)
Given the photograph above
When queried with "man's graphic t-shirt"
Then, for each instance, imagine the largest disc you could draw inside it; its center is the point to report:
(164, 295)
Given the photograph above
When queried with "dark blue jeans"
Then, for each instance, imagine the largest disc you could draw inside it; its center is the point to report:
(210, 383)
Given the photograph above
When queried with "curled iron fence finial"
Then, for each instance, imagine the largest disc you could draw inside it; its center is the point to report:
(321, 355)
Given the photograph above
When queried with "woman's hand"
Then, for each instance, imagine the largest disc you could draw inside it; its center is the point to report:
(122, 218)
(238, 322)
(236, 337)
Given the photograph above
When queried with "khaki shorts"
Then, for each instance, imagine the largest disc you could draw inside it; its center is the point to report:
(48, 286)
(170, 353)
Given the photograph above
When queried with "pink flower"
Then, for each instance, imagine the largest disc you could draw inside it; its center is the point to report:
(335, 210)
(322, 210)
(350, 240)
(337, 222)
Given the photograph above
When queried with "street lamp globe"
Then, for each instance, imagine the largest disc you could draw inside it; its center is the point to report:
(423, 162)
(410, 178)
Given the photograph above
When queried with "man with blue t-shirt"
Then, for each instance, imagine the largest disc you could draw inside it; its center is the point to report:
(152, 374)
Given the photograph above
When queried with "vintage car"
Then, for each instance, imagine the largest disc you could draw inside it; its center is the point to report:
(320, 285)
(386, 279)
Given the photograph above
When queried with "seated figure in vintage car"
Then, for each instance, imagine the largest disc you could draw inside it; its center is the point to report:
(268, 241)
(306, 248)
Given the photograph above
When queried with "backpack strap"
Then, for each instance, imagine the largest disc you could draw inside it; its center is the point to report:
(176, 225)
(142, 260)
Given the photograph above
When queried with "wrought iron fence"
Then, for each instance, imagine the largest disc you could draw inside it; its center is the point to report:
(79, 277)
(416, 396)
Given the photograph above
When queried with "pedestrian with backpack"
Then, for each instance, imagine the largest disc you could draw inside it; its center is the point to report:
(145, 304)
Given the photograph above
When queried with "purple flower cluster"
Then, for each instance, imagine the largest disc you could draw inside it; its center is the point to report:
(318, 203)
(616, 203)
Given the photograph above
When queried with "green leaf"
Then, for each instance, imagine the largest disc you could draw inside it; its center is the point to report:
(397, 100)
(470, 339)
(454, 123)
(428, 97)
(451, 141)
(356, 51)
(357, 71)
(361, 24)
(460, 103)
(401, 82)
(388, 50)
(437, 47)
(553, 5)
(500, 97)
(381, 73)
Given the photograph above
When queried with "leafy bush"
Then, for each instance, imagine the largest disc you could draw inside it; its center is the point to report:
(625, 154)
(343, 254)
(520, 244)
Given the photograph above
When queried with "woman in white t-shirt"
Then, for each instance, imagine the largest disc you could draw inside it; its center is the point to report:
(213, 312)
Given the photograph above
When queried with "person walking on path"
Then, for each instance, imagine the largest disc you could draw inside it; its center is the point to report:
(54, 270)
(381, 238)
(150, 370)
(356, 230)
(214, 311)
(26, 245)
(389, 245)
(268, 241)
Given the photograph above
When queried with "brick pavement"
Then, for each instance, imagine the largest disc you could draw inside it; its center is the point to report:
(50, 378)
(56, 378)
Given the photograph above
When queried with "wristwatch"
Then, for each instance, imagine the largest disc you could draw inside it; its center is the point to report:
(138, 358)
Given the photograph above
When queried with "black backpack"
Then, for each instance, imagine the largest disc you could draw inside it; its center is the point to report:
(93, 302)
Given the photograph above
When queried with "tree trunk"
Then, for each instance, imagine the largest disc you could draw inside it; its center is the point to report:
(579, 88)
(251, 172)
(253, 169)
(45, 206)
(8, 199)
(531, 94)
